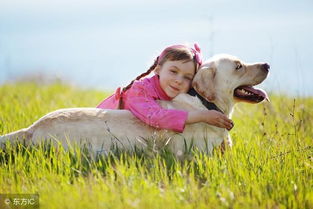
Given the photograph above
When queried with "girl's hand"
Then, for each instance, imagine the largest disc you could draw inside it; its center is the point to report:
(218, 119)
(211, 117)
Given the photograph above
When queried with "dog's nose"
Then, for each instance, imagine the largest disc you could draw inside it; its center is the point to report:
(266, 67)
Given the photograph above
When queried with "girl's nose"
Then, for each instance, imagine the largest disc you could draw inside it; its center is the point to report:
(179, 79)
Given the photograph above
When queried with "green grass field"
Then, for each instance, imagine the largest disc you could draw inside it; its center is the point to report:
(269, 166)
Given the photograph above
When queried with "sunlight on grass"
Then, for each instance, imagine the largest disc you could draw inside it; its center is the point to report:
(269, 166)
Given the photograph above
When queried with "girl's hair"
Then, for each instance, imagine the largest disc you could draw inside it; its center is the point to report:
(171, 53)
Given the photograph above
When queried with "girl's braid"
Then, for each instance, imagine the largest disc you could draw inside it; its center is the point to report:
(120, 104)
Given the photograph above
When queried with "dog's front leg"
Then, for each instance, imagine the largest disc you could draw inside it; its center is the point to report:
(227, 142)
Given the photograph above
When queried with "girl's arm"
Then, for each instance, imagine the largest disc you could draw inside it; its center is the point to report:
(142, 104)
(212, 117)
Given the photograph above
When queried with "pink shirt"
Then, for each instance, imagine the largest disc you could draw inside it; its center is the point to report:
(141, 98)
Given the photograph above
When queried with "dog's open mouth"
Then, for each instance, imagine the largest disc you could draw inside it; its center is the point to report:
(250, 94)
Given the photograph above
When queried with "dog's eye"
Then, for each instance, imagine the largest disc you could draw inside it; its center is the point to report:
(238, 66)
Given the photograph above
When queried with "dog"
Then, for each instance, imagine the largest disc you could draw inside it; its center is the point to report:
(220, 83)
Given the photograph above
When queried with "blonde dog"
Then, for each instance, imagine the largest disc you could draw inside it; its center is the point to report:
(221, 81)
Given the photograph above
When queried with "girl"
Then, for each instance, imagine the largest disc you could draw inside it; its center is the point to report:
(174, 70)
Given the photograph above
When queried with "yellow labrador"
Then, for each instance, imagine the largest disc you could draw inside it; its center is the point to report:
(223, 80)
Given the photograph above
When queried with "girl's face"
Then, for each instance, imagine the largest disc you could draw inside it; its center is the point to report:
(176, 76)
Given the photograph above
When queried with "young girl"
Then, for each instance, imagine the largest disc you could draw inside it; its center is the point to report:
(174, 70)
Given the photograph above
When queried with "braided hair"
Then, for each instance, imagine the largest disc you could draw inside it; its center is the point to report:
(172, 53)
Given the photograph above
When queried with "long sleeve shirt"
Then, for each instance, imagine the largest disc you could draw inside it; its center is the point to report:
(141, 100)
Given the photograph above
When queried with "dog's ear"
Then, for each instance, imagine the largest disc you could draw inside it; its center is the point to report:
(203, 82)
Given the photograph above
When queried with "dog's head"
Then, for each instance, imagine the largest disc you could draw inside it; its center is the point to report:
(225, 76)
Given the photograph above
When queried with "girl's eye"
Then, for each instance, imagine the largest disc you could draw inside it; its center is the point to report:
(188, 78)
(173, 71)
(238, 66)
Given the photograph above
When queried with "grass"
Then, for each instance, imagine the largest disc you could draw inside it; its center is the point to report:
(269, 166)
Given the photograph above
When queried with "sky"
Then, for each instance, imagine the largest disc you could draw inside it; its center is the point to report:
(106, 44)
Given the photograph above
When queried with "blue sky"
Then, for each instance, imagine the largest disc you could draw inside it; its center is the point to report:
(105, 44)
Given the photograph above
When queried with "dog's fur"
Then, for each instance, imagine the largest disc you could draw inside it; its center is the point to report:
(216, 81)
